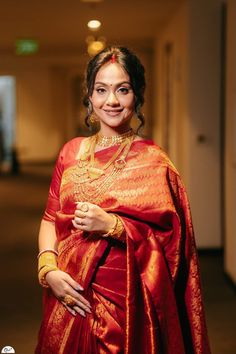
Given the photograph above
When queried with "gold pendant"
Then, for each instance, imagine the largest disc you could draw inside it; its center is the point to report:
(94, 172)
(120, 163)
(82, 164)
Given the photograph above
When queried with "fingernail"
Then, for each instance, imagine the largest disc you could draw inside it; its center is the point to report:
(79, 287)
(89, 311)
(83, 314)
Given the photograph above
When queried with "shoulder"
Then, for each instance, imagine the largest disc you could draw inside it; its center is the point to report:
(166, 172)
(73, 143)
(71, 146)
(69, 150)
(153, 154)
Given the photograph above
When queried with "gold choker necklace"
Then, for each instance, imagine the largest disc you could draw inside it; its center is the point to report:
(106, 141)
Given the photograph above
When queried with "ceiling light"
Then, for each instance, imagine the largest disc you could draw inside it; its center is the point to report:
(94, 25)
(95, 46)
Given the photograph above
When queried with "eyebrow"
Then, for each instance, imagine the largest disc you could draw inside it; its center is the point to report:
(118, 84)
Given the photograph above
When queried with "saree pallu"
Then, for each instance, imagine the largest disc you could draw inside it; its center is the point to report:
(145, 293)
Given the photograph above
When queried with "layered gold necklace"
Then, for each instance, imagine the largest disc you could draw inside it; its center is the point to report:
(107, 141)
(94, 180)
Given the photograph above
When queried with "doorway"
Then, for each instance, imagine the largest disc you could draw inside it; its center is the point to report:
(7, 122)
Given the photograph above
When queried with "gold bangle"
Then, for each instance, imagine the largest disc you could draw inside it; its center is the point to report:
(47, 250)
(47, 261)
(42, 274)
(112, 230)
(47, 258)
(117, 229)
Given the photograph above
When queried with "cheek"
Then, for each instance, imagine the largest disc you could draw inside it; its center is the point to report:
(97, 101)
(129, 104)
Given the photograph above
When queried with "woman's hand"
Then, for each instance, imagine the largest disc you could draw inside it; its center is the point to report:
(63, 285)
(90, 217)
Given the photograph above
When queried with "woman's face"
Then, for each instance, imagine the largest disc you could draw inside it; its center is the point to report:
(113, 98)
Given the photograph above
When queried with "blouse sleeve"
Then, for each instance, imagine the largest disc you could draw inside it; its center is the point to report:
(53, 202)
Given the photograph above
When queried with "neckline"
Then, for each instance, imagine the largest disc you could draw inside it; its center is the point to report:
(99, 152)
(134, 142)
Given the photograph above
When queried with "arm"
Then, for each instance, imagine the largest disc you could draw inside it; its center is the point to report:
(61, 283)
(47, 236)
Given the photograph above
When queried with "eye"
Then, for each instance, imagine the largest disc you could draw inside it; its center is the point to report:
(100, 90)
(124, 90)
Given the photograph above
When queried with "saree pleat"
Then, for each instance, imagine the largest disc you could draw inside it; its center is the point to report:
(145, 294)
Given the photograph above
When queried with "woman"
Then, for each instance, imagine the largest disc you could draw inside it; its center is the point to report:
(117, 251)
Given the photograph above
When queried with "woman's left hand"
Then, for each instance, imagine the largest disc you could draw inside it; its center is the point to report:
(90, 217)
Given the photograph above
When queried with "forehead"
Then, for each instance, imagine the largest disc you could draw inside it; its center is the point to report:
(111, 73)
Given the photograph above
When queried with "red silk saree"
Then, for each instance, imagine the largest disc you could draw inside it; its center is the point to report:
(145, 292)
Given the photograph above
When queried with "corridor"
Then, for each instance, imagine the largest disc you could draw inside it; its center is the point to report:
(22, 199)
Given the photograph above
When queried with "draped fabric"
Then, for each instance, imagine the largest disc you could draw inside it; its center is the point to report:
(145, 292)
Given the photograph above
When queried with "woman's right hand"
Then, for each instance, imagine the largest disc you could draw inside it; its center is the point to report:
(63, 284)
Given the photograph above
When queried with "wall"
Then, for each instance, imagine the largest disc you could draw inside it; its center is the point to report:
(194, 31)
(174, 32)
(204, 120)
(230, 144)
(37, 133)
(42, 108)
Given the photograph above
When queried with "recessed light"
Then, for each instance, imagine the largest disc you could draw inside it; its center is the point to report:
(95, 47)
(94, 25)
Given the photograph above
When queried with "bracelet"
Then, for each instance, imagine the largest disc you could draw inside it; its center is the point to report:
(47, 262)
(117, 230)
(112, 230)
(42, 274)
(47, 250)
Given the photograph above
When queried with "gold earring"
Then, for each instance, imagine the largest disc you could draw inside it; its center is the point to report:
(93, 118)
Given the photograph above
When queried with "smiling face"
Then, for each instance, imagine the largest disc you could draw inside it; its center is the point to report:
(113, 99)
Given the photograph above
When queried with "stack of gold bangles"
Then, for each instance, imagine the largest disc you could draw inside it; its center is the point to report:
(47, 261)
(117, 229)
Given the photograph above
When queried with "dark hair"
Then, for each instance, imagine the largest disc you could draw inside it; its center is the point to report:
(130, 63)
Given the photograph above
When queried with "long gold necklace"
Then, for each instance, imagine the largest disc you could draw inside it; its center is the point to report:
(94, 181)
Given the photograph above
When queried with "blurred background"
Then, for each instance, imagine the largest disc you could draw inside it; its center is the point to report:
(188, 48)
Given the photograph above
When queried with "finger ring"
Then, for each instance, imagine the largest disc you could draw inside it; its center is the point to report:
(84, 207)
(69, 300)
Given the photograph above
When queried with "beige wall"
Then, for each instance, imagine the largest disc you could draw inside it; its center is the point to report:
(174, 32)
(194, 31)
(230, 151)
(43, 89)
(37, 133)
(204, 120)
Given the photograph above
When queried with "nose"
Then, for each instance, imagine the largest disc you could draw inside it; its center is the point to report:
(112, 99)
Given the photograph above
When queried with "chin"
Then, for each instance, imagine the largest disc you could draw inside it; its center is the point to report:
(117, 125)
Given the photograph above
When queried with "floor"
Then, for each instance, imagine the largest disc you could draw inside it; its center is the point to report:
(22, 200)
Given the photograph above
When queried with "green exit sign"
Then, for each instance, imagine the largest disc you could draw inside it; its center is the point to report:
(26, 46)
